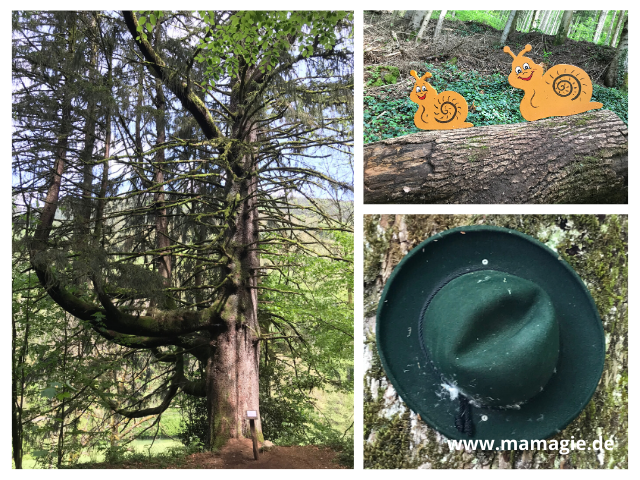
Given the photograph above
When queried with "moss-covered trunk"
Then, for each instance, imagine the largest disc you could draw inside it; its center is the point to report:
(232, 369)
(596, 247)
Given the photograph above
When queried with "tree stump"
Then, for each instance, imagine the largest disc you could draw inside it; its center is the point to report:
(596, 248)
(576, 159)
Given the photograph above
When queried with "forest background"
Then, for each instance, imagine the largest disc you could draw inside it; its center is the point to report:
(182, 233)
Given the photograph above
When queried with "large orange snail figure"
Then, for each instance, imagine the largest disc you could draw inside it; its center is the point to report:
(564, 90)
(444, 111)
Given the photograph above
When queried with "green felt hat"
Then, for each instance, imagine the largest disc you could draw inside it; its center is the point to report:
(489, 334)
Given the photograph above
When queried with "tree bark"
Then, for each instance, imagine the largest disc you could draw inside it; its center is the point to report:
(416, 18)
(439, 25)
(603, 17)
(535, 22)
(610, 28)
(508, 28)
(424, 25)
(576, 159)
(620, 57)
(396, 437)
(619, 23)
(565, 25)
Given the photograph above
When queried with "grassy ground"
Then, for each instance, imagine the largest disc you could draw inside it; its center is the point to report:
(146, 447)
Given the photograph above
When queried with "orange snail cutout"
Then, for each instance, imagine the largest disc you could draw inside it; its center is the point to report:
(444, 111)
(564, 90)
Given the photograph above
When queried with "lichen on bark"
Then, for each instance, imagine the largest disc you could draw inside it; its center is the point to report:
(596, 247)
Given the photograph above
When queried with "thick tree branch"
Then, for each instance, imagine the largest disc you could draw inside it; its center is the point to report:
(177, 86)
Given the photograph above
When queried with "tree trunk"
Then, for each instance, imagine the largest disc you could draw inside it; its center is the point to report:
(576, 159)
(163, 242)
(603, 17)
(508, 27)
(620, 58)
(439, 25)
(424, 25)
(545, 20)
(556, 23)
(607, 40)
(396, 437)
(416, 18)
(565, 25)
(536, 20)
(619, 23)
(232, 370)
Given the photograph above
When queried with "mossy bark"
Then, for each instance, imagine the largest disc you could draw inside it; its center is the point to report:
(596, 247)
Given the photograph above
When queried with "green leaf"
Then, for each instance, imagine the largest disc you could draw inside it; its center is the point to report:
(48, 392)
(152, 19)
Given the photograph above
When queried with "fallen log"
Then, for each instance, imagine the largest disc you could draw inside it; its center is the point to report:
(576, 159)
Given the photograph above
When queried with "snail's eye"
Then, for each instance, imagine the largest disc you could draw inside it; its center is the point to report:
(417, 89)
(424, 88)
(526, 66)
(518, 70)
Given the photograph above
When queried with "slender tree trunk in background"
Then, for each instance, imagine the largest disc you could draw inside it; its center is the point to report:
(563, 31)
(607, 40)
(86, 156)
(620, 59)
(550, 22)
(526, 23)
(543, 20)
(514, 24)
(163, 242)
(62, 413)
(557, 22)
(507, 27)
(619, 23)
(423, 27)
(416, 19)
(603, 17)
(536, 20)
(18, 382)
(407, 17)
(436, 35)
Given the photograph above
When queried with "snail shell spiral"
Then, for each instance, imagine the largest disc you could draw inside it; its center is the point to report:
(447, 112)
(567, 85)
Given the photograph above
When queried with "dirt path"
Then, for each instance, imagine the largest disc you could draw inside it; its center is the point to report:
(238, 453)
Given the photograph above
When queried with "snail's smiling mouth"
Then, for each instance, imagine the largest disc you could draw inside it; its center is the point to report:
(422, 96)
(528, 78)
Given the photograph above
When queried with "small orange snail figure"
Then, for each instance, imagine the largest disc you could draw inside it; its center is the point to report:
(564, 90)
(444, 111)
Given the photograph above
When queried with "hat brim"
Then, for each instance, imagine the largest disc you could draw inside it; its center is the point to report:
(582, 344)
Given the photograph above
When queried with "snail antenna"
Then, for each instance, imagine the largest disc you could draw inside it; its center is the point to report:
(414, 74)
(508, 50)
(427, 75)
(527, 48)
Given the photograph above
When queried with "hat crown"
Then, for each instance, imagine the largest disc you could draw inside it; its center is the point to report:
(492, 335)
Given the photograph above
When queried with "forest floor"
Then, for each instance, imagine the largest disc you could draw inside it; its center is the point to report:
(470, 46)
(237, 453)
(467, 58)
